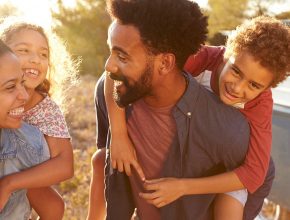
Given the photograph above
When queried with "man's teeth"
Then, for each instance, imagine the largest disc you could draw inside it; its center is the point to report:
(117, 83)
(32, 71)
(17, 111)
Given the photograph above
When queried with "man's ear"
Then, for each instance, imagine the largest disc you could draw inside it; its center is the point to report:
(166, 63)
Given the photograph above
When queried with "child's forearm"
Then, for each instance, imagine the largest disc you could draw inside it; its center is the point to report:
(221, 183)
(116, 114)
(55, 170)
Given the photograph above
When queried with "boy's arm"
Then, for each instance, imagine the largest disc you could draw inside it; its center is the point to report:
(259, 114)
(122, 151)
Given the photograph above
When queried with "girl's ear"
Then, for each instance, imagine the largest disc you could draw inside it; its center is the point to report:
(167, 63)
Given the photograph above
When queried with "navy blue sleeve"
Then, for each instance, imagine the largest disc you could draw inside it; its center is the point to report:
(102, 121)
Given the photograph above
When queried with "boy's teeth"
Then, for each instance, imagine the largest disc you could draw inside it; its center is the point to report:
(17, 111)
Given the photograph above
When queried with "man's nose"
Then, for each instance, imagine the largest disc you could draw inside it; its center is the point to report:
(110, 65)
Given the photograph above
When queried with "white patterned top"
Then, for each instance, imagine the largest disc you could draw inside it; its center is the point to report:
(47, 116)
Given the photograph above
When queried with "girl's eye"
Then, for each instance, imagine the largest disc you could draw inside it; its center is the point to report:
(44, 55)
(22, 51)
(11, 87)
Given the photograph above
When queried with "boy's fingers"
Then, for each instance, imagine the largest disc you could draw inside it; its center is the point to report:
(120, 166)
(148, 196)
(127, 169)
(139, 170)
(114, 164)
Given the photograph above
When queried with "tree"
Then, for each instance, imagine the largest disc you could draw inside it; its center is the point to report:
(262, 7)
(84, 27)
(228, 15)
(283, 15)
(225, 15)
(8, 9)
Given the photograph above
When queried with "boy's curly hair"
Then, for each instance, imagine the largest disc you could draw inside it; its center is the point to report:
(268, 41)
(63, 70)
(173, 26)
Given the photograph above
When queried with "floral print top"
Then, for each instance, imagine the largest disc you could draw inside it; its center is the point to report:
(47, 116)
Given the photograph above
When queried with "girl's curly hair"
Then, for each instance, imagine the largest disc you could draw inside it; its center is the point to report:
(267, 40)
(62, 73)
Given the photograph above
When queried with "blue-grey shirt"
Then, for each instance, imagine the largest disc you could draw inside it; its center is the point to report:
(211, 138)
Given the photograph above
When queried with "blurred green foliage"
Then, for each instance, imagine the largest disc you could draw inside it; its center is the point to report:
(226, 16)
(84, 27)
(7, 9)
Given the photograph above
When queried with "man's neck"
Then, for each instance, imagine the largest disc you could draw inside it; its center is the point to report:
(168, 91)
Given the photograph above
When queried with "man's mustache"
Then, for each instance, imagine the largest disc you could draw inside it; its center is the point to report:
(118, 77)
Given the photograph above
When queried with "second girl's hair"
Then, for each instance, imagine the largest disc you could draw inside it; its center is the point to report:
(62, 71)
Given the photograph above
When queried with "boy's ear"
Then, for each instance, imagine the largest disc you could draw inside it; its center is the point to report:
(167, 63)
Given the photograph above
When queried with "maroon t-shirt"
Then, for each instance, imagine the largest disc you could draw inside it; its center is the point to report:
(152, 131)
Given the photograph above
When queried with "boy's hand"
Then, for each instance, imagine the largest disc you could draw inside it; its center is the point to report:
(161, 192)
(123, 156)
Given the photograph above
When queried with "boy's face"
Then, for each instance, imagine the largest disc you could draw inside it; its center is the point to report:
(32, 50)
(13, 95)
(243, 79)
(129, 64)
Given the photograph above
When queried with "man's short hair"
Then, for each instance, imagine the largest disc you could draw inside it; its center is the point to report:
(165, 26)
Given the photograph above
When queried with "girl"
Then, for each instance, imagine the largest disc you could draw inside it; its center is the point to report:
(48, 70)
(256, 58)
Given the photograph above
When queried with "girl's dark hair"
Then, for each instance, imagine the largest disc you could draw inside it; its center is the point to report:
(4, 49)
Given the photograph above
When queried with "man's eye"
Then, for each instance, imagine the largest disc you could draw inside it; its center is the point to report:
(122, 58)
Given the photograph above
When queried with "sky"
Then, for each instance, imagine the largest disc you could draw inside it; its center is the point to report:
(39, 9)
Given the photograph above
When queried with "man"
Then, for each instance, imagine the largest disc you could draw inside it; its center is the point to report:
(178, 128)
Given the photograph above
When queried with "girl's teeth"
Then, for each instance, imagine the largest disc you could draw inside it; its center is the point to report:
(17, 111)
(31, 71)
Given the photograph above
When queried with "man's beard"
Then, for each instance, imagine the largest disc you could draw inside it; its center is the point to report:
(134, 92)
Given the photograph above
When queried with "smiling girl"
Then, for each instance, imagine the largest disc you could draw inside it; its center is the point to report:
(48, 70)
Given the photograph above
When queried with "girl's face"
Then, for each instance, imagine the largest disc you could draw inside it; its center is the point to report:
(243, 79)
(13, 95)
(32, 50)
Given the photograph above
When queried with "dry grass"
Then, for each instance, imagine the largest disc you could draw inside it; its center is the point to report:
(81, 120)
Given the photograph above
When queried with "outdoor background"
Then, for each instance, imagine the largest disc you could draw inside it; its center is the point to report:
(83, 25)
